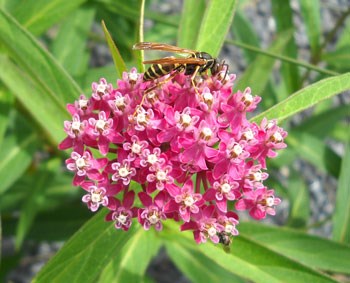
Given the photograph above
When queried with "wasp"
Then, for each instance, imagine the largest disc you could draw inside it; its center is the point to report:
(196, 63)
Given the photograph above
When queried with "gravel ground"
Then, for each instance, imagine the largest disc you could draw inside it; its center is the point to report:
(322, 188)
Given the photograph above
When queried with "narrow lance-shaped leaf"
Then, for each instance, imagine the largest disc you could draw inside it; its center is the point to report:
(83, 257)
(15, 155)
(34, 202)
(315, 151)
(283, 14)
(300, 201)
(341, 217)
(322, 124)
(196, 266)
(48, 111)
(117, 58)
(244, 32)
(6, 102)
(215, 25)
(311, 12)
(306, 98)
(190, 23)
(257, 75)
(38, 15)
(252, 260)
(36, 61)
(309, 250)
(135, 255)
(74, 56)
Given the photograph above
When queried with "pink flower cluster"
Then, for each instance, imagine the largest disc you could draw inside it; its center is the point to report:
(192, 151)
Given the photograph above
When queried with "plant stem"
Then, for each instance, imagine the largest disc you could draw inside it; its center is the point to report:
(283, 58)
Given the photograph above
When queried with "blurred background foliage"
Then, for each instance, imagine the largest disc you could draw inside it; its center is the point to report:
(294, 57)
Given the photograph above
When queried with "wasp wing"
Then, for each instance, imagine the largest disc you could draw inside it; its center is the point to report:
(162, 47)
(173, 60)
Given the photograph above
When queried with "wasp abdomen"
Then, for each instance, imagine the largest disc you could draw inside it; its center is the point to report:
(159, 70)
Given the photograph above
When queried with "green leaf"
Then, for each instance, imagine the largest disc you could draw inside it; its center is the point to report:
(6, 103)
(83, 257)
(311, 12)
(36, 61)
(46, 109)
(196, 266)
(129, 10)
(94, 74)
(257, 75)
(16, 153)
(300, 201)
(215, 25)
(322, 124)
(341, 216)
(283, 58)
(190, 23)
(309, 250)
(35, 199)
(339, 132)
(130, 263)
(118, 60)
(38, 15)
(284, 21)
(340, 57)
(54, 224)
(315, 151)
(307, 97)
(69, 46)
(244, 32)
(251, 260)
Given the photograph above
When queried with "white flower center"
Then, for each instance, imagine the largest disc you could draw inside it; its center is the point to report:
(80, 163)
(101, 88)
(225, 188)
(83, 103)
(100, 125)
(119, 101)
(208, 97)
(185, 119)
(277, 136)
(237, 149)
(248, 134)
(228, 228)
(136, 148)
(95, 197)
(141, 118)
(207, 132)
(161, 175)
(123, 172)
(151, 95)
(189, 201)
(248, 97)
(76, 126)
(122, 218)
(132, 76)
(270, 125)
(153, 218)
(270, 201)
(152, 158)
(257, 176)
(211, 231)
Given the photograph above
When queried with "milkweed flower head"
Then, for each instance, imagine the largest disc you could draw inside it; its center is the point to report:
(193, 152)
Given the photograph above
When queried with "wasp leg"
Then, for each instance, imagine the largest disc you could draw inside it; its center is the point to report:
(158, 84)
(192, 79)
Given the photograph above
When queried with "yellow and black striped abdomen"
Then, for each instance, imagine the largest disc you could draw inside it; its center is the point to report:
(159, 70)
